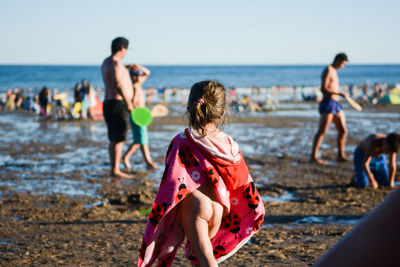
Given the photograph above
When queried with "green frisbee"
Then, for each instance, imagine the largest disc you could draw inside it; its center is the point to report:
(141, 116)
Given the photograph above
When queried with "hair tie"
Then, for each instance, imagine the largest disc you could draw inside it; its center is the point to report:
(201, 101)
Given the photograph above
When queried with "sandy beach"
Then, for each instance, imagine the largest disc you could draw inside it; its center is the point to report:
(60, 207)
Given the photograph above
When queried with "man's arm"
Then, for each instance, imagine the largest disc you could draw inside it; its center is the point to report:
(392, 168)
(372, 181)
(146, 73)
(123, 84)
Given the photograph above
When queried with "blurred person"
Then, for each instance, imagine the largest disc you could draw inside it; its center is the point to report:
(29, 100)
(76, 111)
(44, 97)
(10, 99)
(162, 92)
(60, 103)
(77, 93)
(84, 96)
(85, 88)
(331, 110)
(91, 96)
(184, 94)
(24, 99)
(370, 162)
(95, 106)
(139, 75)
(352, 90)
(117, 102)
(250, 105)
(174, 94)
(149, 95)
(378, 94)
(36, 104)
(18, 98)
(365, 96)
(3, 102)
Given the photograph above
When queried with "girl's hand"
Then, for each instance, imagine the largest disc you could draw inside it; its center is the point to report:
(373, 184)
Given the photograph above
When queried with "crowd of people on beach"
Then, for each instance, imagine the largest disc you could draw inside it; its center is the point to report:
(52, 104)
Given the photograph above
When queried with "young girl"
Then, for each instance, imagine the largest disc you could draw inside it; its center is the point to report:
(206, 193)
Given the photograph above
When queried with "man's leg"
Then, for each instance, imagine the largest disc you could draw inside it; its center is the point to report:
(361, 177)
(111, 152)
(115, 150)
(143, 138)
(127, 157)
(324, 122)
(340, 122)
(146, 155)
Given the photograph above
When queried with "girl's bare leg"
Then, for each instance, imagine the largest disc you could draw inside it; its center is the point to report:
(201, 218)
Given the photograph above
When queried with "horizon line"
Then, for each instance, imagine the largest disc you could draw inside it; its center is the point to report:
(194, 64)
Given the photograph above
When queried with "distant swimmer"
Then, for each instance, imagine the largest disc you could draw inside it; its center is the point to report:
(331, 110)
(117, 103)
(370, 161)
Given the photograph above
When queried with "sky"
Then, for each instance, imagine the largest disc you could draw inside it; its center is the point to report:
(208, 32)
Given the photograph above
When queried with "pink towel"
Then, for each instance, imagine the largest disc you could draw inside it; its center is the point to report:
(186, 169)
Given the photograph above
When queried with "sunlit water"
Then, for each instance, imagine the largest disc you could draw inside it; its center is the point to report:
(75, 170)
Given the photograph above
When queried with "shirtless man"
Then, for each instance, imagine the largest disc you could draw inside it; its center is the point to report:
(331, 110)
(117, 103)
(370, 162)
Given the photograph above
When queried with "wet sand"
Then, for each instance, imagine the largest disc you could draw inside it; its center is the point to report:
(60, 207)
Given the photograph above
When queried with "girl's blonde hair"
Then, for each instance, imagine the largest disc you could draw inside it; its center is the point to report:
(207, 104)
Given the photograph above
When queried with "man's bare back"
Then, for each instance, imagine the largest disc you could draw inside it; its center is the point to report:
(373, 144)
(117, 82)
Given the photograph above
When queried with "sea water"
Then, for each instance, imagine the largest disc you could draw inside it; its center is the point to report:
(36, 76)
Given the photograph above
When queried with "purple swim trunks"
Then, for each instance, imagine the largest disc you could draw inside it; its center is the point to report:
(328, 105)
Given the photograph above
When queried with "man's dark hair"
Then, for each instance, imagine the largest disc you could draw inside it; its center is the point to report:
(341, 57)
(393, 141)
(118, 43)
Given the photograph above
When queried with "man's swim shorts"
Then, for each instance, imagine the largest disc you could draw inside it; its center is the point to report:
(328, 105)
(116, 117)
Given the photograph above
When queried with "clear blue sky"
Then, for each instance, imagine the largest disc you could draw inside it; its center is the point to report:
(200, 32)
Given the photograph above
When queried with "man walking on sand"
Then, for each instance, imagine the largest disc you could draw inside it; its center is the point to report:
(331, 110)
(117, 103)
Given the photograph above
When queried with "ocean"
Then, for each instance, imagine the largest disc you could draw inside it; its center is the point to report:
(34, 76)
